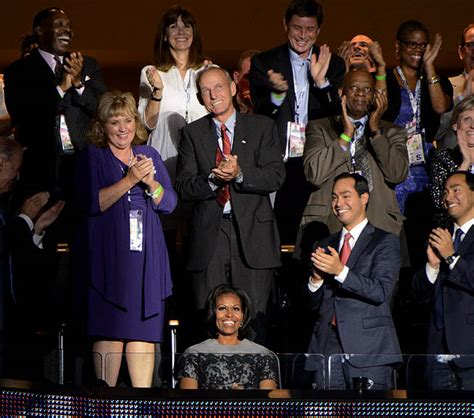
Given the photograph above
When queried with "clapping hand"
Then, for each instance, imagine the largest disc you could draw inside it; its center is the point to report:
(228, 169)
(141, 169)
(431, 53)
(278, 82)
(380, 106)
(320, 65)
(48, 217)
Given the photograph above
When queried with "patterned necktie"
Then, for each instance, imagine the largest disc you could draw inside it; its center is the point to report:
(343, 256)
(58, 68)
(223, 195)
(439, 299)
(361, 155)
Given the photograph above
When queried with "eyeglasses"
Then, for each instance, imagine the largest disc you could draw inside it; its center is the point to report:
(415, 45)
(468, 45)
(357, 89)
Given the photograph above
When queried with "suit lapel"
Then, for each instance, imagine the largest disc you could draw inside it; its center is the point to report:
(209, 140)
(287, 72)
(240, 135)
(364, 239)
(467, 241)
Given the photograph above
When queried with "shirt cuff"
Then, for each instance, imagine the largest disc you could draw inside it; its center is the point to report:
(431, 273)
(453, 264)
(325, 85)
(28, 220)
(61, 92)
(341, 277)
(212, 182)
(38, 239)
(240, 177)
(314, 287)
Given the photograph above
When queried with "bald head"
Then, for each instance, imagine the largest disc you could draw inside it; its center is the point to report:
(360, 53)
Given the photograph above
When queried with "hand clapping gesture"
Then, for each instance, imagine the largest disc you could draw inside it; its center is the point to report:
(380, 106)
(320, 65)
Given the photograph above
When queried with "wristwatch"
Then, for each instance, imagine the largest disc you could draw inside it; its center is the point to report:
(450, 258)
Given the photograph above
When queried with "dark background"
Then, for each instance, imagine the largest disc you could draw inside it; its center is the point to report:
(120, 34)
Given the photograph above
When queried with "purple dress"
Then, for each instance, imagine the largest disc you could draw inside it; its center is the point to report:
(127, 289)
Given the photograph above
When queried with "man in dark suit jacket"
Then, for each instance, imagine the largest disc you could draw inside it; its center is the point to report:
(447, 282)
(294, 83)
(354, 273)
(233, 239)
(51, 96)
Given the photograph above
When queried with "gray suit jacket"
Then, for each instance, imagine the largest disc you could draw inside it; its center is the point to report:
(256, 145)
(362, 302)
(324, 159)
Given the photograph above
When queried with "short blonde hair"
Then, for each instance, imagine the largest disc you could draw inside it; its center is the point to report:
(111, 104)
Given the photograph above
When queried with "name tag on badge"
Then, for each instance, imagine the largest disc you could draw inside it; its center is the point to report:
(296, 139)
(136, 230)
(416, 154)
(66, 143)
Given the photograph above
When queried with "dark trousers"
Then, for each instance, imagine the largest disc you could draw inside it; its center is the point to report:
(228, 265)
(339, 372)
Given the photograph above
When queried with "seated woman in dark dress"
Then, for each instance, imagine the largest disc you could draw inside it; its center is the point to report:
(446, 161)
(228, 360)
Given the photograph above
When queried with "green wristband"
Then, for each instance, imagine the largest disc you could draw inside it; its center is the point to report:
(344, 137)
(156, 193)
(278, 96)
(381, 77)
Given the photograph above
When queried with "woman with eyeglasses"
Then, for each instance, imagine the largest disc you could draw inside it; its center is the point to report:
(417, 97)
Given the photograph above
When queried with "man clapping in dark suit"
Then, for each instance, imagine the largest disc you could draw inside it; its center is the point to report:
(51, 96)
(228, 164)
(447, 282)
(294, 83)
(354, 273)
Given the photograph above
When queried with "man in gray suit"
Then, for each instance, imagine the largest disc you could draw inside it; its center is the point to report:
(356, 140)
(353, 276)
(228, 164)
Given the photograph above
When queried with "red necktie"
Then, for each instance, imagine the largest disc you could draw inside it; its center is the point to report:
(346, 249)
(224, 193)
(343, 256)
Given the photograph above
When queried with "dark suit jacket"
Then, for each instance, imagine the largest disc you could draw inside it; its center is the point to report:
(321, 102)
(256, 145)
(362, 302)
(34, 105)
(458, 299)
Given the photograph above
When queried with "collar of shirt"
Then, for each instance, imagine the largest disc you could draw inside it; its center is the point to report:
(465, 228)
(296, 59)
(49, 58)
(229, 124)
(355, 232)
(361, 128)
